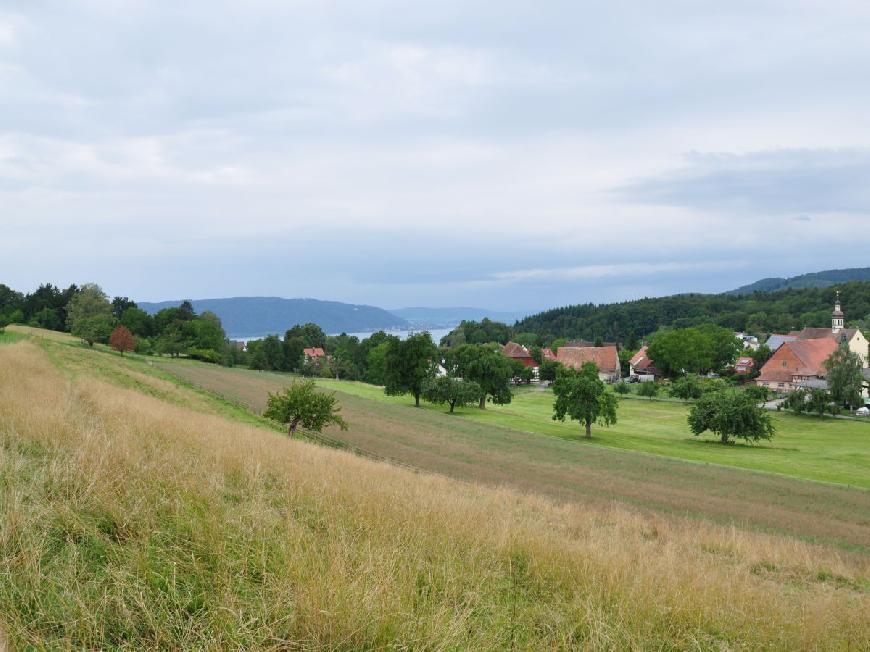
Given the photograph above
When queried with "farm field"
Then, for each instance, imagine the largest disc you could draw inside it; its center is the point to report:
(476, 446)
(140, 512)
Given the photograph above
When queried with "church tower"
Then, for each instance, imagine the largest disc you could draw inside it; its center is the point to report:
(837, 316)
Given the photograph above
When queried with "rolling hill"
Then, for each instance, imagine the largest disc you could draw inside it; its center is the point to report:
(248, 317)
(823, 279)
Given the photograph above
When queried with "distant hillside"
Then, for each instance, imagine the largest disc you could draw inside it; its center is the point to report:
(813, 280)
(449, 317)
(762, 312)
(245, 317)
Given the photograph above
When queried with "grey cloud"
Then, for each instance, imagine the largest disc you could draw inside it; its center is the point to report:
(764, 183)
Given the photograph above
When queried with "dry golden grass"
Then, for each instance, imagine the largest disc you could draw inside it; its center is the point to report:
(128, 521)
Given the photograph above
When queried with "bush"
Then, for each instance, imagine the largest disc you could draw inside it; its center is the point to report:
(648, 389)
(622, 388)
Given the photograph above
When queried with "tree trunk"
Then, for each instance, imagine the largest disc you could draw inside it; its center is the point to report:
(452, 404)
(588, 428)
(416, 399)
(293, 425)
(724, 438)
(483, 402)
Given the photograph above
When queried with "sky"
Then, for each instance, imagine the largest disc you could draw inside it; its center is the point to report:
(506, 155)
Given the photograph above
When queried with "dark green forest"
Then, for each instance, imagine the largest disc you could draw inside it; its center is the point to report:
(758, 313)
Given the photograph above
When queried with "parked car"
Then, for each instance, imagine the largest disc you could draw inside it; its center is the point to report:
(862, 412)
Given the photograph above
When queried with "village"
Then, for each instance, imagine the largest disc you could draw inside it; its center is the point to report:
(797, 358)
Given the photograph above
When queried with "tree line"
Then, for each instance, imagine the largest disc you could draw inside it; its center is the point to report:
(759, 313)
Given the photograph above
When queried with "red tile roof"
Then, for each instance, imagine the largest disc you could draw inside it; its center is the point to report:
(605, 358)
(807, 358)
(637, 357)
(314, 352)
(548, 354)
(514, 350)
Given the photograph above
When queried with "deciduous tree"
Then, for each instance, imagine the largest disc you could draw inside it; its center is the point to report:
(731, 414)
(122, 340)
(583, 397)
(455, 392)
(845, 378)
(408, 364)
(301, 404)
(90, 314)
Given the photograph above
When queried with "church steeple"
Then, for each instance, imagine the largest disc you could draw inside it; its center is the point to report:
(837, 316)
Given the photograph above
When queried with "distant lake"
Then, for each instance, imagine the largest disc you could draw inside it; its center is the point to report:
(437, 334)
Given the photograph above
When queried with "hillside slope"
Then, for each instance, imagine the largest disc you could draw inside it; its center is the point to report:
(822, 279)
(245, 317)
(134, 518)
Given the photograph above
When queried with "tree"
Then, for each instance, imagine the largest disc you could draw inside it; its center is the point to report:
(120, 305)
(408, 364)
(273, 353)
(548, 370)
(294, 347)
(455, 392)
(312, 335)
(686, 387)
(622, 388)
(122, 340)
(139, 322)
(488, 367)
(845, 377)
(89, 314)
(301, 405)
(583, 397)
(731, 413)
(648, 389)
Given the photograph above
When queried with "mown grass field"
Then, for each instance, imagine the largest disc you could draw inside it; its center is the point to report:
(141, 513)
(477, 446)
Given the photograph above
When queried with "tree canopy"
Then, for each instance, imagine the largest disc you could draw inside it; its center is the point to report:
(89, 314)
(408, 364)
(485, 365)
(455, 392)
(845, 378)
(583, 396)
(731, 414)
(301, 404)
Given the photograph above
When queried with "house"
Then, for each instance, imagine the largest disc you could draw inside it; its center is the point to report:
(748, 341)
(606, 359)
(548, 354)
(776, 340)
(314, 353)
(516, 351)
(800, 361)
(796, 362)
(640, 364)
(744, 365)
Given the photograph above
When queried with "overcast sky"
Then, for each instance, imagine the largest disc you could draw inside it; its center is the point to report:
(499, 154)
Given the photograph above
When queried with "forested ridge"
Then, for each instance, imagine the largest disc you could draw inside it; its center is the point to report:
(759, 313)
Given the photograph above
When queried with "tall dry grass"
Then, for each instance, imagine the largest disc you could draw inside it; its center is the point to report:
(131, 522)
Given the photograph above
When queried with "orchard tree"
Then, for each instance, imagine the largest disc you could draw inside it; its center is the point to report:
(622, 388)
(845, 377)
(648, 389)
(89, 314)
(583, 397)
(731, 414)
(687, 387)
(122, 340)
(408, 364)
(301, 404)
(455, 392)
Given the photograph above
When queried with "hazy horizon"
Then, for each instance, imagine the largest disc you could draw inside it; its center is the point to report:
(500, 156)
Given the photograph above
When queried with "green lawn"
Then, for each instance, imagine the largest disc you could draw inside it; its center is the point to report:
(828, 450)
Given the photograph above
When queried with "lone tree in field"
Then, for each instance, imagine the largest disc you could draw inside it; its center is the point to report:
(731, 414)
(583, 397)
(89, 314)
(408, 364)
(301, 405)
(455, 392)
(122, 340)
(845, 378)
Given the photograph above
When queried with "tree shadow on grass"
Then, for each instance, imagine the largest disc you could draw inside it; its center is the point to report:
(735, 444)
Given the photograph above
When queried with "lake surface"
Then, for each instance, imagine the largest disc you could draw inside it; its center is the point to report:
(437, 334)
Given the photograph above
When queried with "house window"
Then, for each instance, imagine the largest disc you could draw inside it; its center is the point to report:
(781, 385)
(785, 363)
